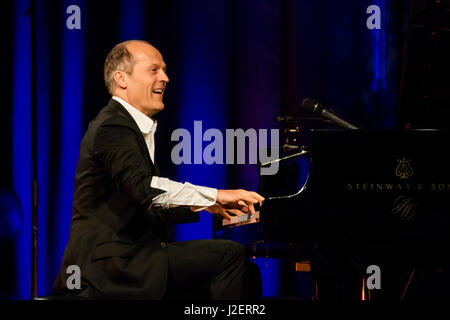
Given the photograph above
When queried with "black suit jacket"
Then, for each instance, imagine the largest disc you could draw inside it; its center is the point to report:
(119, 245)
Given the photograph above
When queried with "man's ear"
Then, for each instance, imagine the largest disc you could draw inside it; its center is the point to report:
(121, 79)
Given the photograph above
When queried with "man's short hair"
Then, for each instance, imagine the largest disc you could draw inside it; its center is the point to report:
(119, 58)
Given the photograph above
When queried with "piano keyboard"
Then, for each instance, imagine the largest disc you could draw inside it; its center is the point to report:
(241, 220)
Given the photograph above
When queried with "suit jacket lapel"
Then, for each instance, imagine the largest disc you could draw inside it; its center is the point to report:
(122, 112)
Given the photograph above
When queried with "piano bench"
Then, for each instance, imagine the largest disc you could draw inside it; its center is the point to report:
(303, 266)
(308, 266)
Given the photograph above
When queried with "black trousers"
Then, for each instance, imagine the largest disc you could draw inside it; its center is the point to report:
(211, 269)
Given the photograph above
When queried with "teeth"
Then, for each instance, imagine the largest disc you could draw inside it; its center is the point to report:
(157, 91)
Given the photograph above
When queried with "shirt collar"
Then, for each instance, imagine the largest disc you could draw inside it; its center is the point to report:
(145, 123)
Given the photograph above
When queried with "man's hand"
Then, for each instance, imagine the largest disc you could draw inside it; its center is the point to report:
(218, 209)
(237, 202)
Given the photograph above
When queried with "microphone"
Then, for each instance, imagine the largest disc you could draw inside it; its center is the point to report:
(312, 105)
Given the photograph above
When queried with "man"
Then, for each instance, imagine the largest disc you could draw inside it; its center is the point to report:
(123, 210)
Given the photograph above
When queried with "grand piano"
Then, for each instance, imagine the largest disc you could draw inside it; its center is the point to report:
(343, 200)
(354, 198)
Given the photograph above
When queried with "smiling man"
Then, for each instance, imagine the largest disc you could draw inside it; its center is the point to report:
(123, 209)
(135, 72)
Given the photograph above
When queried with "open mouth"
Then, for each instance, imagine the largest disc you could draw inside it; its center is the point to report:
(158, 91)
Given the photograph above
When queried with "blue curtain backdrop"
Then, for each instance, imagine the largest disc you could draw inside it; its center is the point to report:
(231, 64)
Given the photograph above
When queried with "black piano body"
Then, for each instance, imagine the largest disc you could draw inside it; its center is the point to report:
(381, 197)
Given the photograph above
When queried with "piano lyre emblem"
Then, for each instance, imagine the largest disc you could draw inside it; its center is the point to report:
(404, 169)
(404, 207)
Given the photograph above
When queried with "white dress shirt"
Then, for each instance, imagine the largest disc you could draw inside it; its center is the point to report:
(176, 193)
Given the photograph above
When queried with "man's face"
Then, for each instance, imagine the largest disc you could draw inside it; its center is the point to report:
(147, 82)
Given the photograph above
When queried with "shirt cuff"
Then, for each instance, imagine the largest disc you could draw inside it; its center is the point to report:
(182, 194)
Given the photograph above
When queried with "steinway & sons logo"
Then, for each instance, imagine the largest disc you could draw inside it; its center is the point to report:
(404, 205)
(404, 169)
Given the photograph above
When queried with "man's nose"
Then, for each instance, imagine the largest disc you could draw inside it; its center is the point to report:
(164, 77)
